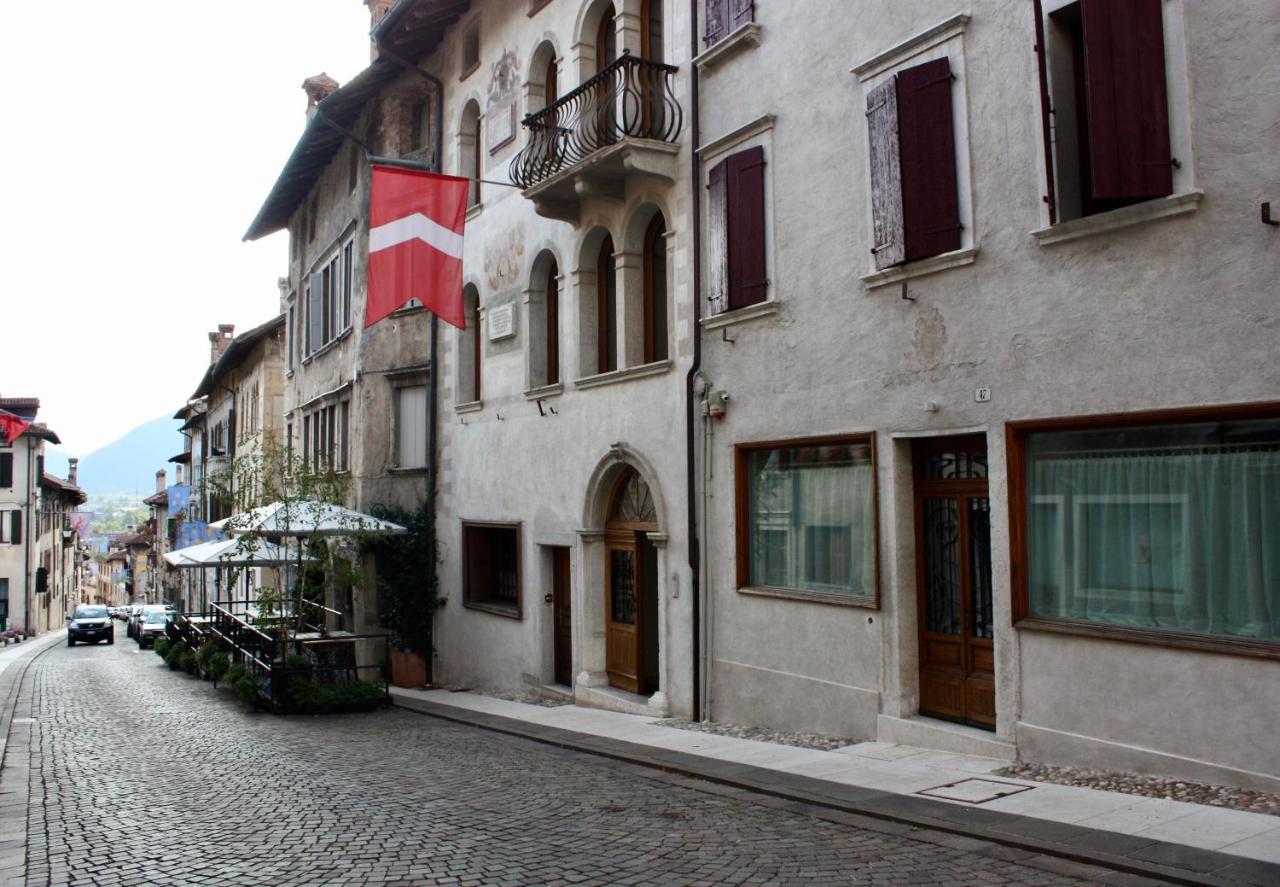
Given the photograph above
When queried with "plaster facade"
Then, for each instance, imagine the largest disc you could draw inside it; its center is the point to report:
(547, 457)
(1163, 305)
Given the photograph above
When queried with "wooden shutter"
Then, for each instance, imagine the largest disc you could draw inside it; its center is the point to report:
(1045, 123)
(6, 470)
(927, 148)
(315, 313)
(889, 246)
(717, 238)
(717, 21)
(748, 280)
(741, 12)
(15, 527)
(1128, 108)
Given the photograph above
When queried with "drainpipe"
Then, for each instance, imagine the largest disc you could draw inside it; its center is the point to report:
(433, 382)
(693, 542)
(28, 594)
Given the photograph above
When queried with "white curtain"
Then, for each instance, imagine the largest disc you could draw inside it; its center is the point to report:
(813, 526)
(1187, 540)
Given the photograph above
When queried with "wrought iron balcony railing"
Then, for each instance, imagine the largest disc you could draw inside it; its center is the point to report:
(632, 98)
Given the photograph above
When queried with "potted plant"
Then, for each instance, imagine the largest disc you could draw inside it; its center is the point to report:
(407, 593)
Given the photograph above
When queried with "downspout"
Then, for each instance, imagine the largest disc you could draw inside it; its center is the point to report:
(433, 396)
(695, 565)
(28, 595)
(433, 382)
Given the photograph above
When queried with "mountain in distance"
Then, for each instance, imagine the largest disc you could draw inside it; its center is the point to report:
(128, 465)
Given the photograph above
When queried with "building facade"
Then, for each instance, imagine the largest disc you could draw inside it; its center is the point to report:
(997, 469)
(917, 393)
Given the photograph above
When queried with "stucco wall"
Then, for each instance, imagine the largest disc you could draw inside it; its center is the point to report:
(1168, 313)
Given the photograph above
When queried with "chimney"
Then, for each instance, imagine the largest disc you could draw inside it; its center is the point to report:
(317, 88)
(178, 478)
(160, 484)
(73, 465)
(378, 10)
(219, 340)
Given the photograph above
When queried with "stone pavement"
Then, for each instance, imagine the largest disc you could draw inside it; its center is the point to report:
(138, 775)
(943, 791)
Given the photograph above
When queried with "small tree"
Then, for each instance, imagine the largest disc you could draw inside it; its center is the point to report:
(406, 578)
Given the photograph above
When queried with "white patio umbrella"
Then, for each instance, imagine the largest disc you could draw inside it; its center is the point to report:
(231, 553)
(306, 517)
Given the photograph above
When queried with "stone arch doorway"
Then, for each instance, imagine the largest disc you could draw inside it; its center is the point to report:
(622, 655)
(631, 587)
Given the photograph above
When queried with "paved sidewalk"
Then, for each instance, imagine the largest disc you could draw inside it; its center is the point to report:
(15, 738)
(1184, 843)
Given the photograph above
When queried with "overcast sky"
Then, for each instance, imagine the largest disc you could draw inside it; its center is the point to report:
(140, 139)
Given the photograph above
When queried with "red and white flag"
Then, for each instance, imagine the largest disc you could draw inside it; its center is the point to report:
(415, 243)
(12, 427)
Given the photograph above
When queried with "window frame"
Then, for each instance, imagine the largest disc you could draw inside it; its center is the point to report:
(946, 39)
(517, 612)
(1020, 611)
(742, 523)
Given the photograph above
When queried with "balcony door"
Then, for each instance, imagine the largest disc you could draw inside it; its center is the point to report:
(653, 78)
(953, 580)
(607, 91)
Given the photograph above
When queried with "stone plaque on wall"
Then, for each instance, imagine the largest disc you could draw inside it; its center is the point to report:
(502, 322)
(500, 126)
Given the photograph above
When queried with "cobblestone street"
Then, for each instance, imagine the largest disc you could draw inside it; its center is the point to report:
(140, 775)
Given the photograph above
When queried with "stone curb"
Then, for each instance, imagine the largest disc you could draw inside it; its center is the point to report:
(1053, 846)
(15, 766)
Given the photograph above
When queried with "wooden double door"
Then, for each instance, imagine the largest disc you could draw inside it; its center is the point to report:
(953, 580)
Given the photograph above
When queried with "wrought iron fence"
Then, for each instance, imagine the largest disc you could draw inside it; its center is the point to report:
(632, 98)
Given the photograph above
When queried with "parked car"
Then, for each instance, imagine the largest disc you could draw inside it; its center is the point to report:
(131, 621)
(154, 624)
(90, 623)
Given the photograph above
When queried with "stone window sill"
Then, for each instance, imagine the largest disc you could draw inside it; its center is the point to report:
(815, 597)
(327, 346)
(1138, 214)
(544, 391)
(496, 609)
(474, 210)
(401, 472)
(741, 315)
(932, 265)
(648, 369)
(747, 35)
(473, 406)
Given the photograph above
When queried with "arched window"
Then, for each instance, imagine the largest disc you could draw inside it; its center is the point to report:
(655, 290)
(606, 308)
(469, 348)
(606, 39)
(551, 81)
(606, 54)
(654, 81)
(469, 148)
(553, 324)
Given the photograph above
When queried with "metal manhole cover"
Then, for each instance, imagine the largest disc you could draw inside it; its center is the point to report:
(974, 791)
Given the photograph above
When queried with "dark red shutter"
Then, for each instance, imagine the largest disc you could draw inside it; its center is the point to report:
(927, 144)
(888, 245)
(741, 12)
(1045, 123)
(717, 21)
(717, 237)
(748, 282)
(1128, 108)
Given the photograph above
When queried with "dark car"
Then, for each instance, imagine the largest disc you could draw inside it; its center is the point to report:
(90, 624)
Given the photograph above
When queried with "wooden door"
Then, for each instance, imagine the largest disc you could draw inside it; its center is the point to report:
(623, 615)
(606, 55)
(562, 617)
(953, 581)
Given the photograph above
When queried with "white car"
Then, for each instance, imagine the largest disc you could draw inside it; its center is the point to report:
(153, 624)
